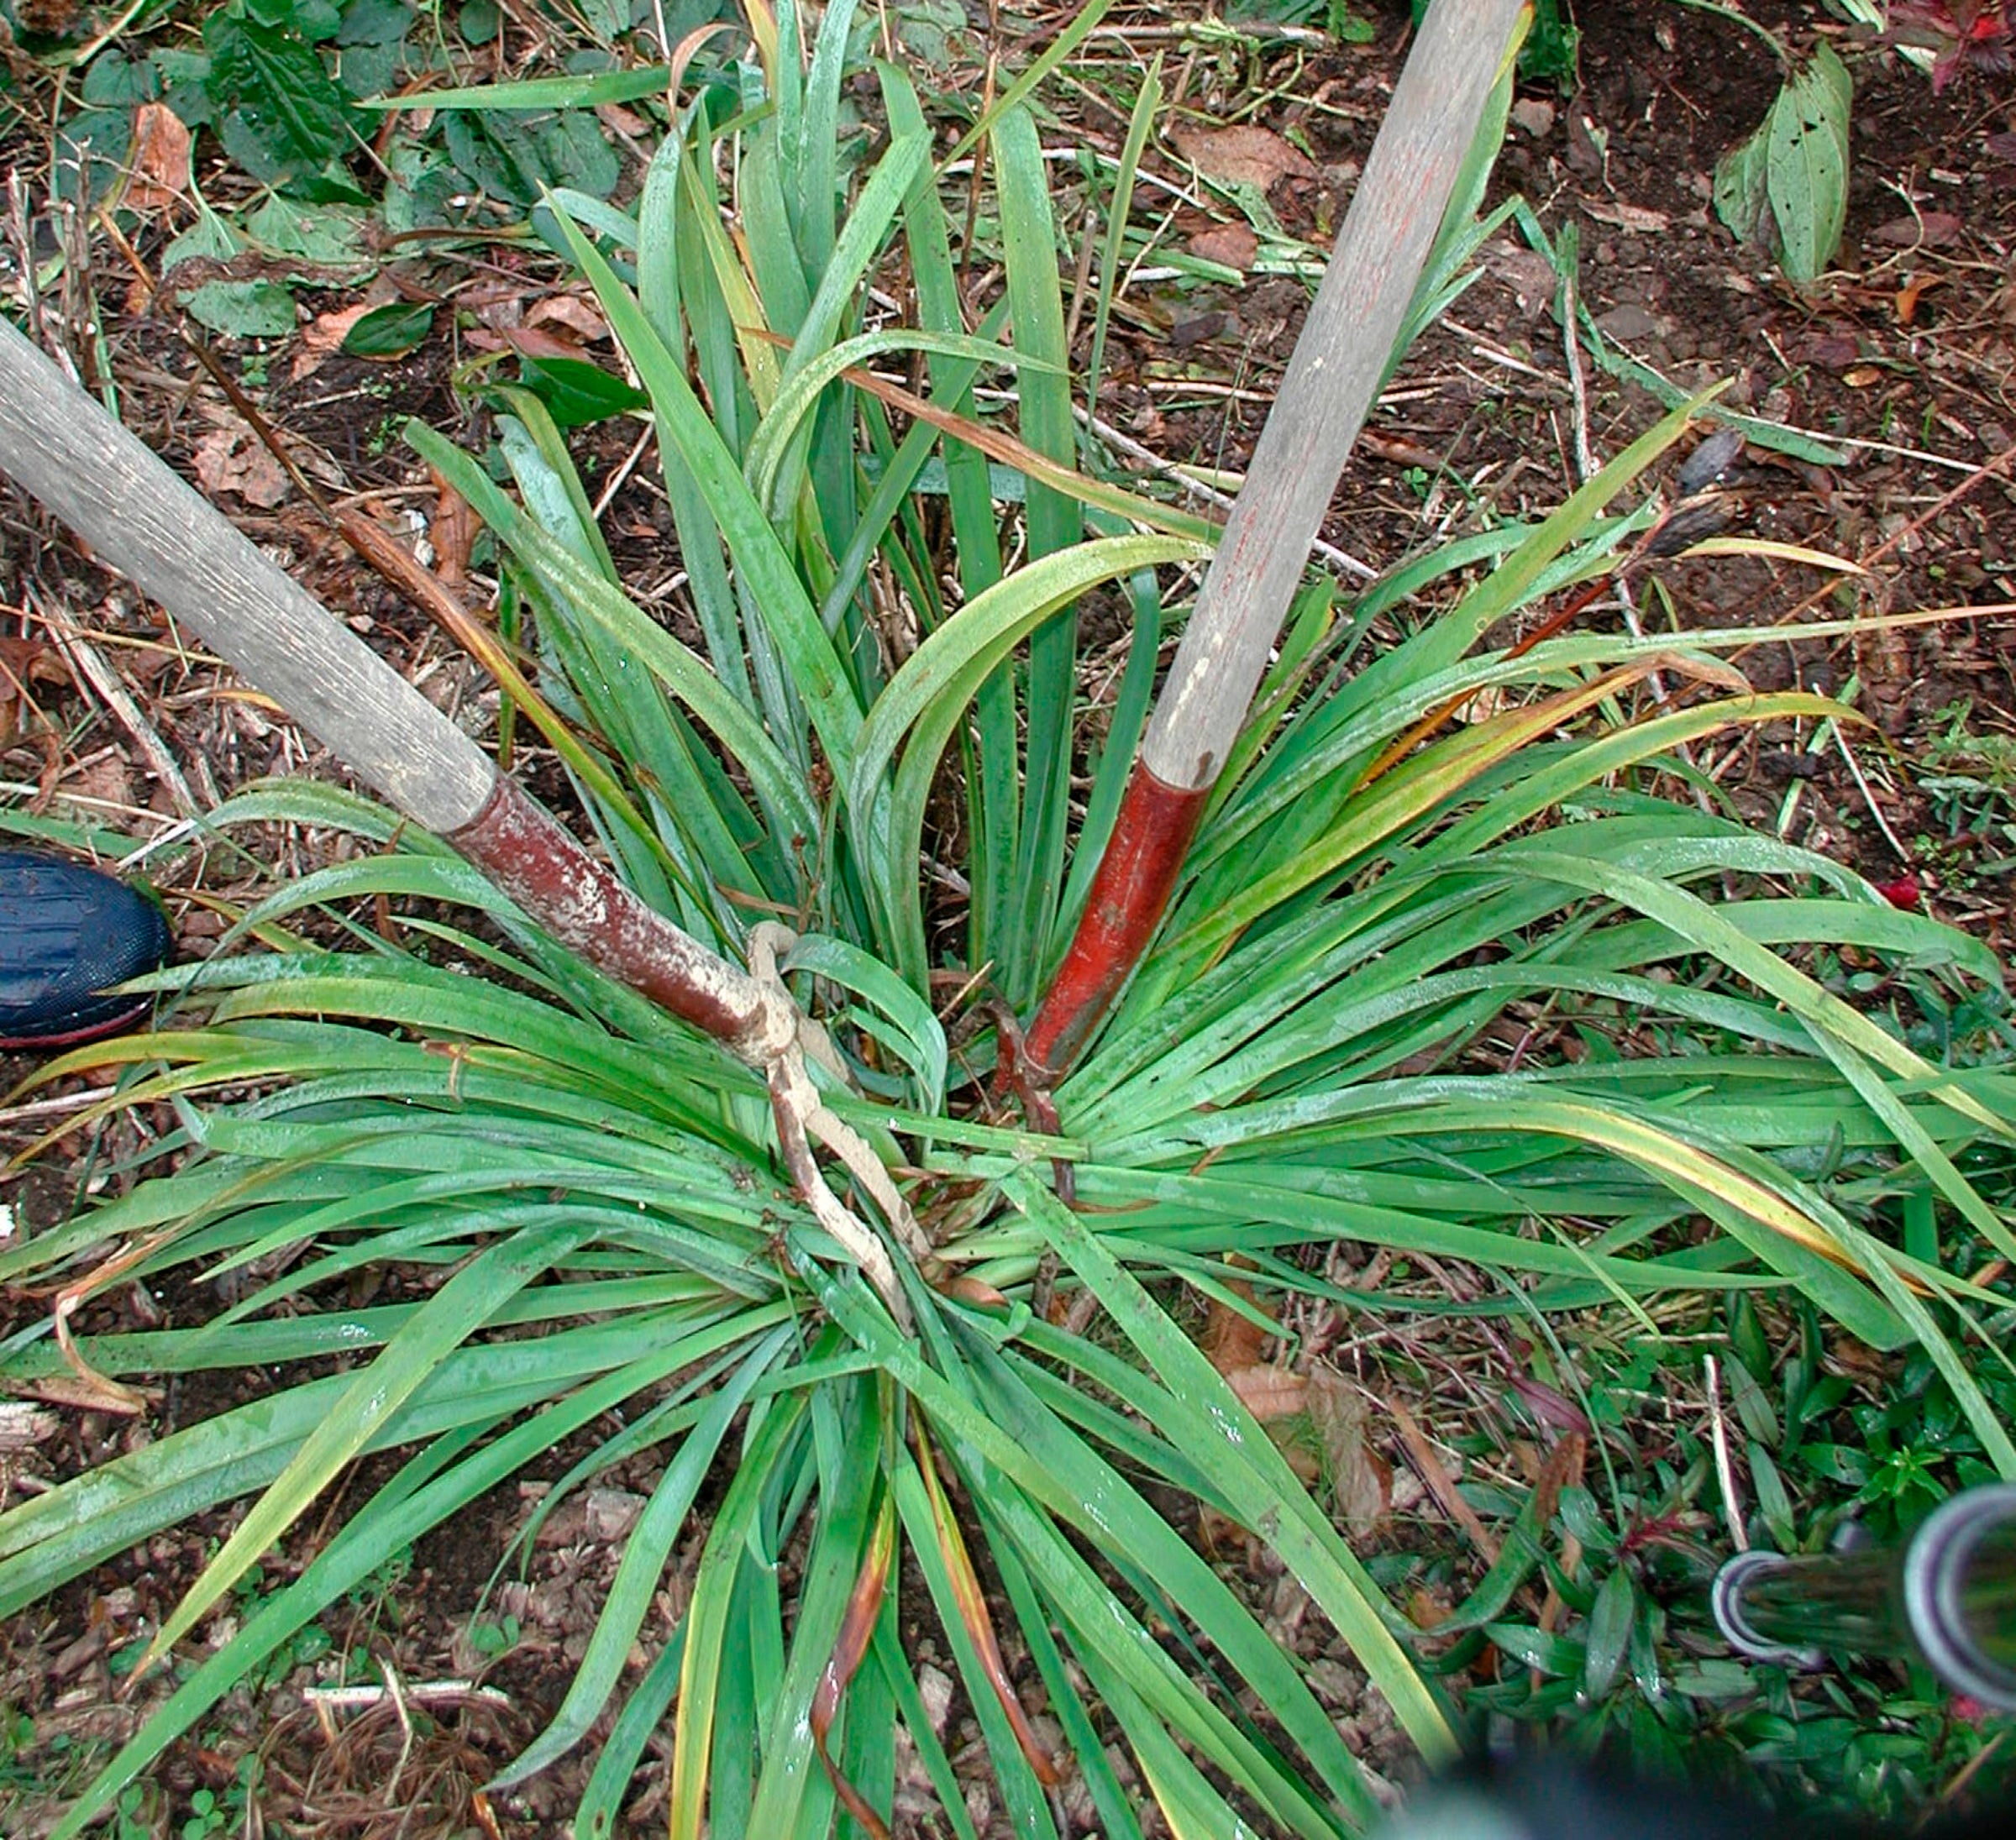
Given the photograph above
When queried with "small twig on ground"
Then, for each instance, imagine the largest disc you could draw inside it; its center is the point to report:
(1081, 287)
(21, 232)
(91, 665)
(623, 472)
(396, 1693)
(1344, 563)
(1481, 347)
(1882, 824)
(1205, 32)
(1429, 1466)
(1586, 466)
(344, 1699)
(1968, 1771)
(1989, 468)
(1578, 389)
(1863, 444)
(29, 1110)
(1726, 1469)
(180, 831)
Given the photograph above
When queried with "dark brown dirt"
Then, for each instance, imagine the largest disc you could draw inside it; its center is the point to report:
(1904, 353)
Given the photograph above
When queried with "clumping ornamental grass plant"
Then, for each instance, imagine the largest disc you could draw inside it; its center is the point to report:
(871, 776)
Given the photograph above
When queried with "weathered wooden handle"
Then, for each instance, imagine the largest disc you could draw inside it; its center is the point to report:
(1331, 381)
(179, 551)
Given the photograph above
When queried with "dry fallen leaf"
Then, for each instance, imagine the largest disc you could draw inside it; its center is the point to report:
(1398, 450)
(499, 300)
(24, 663)
(1233, 244)
(23, 1426)
(158, 170)
(452, 530)
(1924, 229)
(1232, 1339)
(562, 313)
(1528, 273)
(91, 1394)
(1908, 295)
(1428, 1609)
(527, 340)
(619, 120)
(977, 1292)
(1442, 1485)
(324, 334)
(234, 459)
(610, 1513)
(1634, 217)
(1268, 1392)
(1248, 155)
(1360, 1479)
(105, 780)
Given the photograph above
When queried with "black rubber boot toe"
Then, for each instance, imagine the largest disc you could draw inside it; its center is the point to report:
(66, 932)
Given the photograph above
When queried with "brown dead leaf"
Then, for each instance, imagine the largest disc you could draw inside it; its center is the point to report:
(1231, 1338)
(105, 780)
(1926, 229)
(1268, 1392)
(1562, 1469)
(47, 18)
(92, 1393)
(453, 532)
(1488, 702)
(30, 661)
(1703, 670)
(1398, 449)
(1528, 273)
(609, 1514)
(234, 459)
(23, 1426)
(1857, 1361)
(1638, 219)
(527, 340)
(1233, 244)
(976, 1293)
(1428, 1609)
(323, 336)
(1429, 1466)
(1831, 351)
(1360, 1478)
(1189, 329)
(1244, 155)
(24, 663)
(497, 302)
(1908, 295)
(619, 120)
(564, 313)
(1218, 1533)
(158, 171)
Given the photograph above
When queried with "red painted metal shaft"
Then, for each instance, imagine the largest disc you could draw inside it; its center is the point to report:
(581, 902)
(1151, 834)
